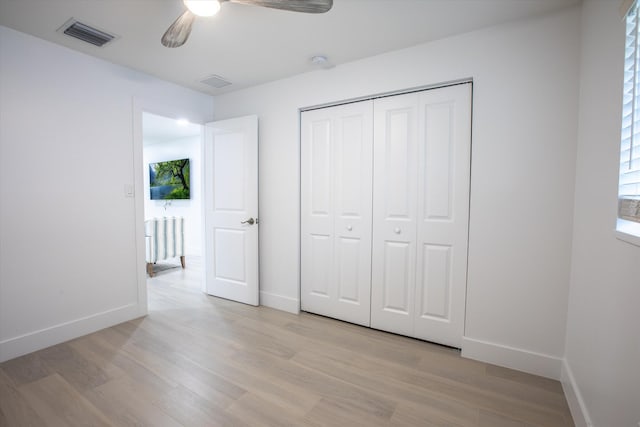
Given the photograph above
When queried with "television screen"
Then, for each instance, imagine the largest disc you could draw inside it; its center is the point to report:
(169, 180)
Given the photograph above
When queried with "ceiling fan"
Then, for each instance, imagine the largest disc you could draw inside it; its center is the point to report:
(178, 33)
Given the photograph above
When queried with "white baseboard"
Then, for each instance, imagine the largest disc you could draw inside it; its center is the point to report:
(280, 302)
(511, 357)
(33, 341)
(576, 403)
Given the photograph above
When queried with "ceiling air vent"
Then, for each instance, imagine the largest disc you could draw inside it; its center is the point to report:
(86, 33)
(216, 81)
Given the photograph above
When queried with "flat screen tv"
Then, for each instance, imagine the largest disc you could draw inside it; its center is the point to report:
(169, 180)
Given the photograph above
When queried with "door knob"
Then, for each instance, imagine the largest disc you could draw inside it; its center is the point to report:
(250, 221)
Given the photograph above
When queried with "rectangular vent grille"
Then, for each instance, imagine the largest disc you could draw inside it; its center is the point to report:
(86, 33)
(216, 81)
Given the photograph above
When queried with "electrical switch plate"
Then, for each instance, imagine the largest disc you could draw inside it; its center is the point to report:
(128, 190)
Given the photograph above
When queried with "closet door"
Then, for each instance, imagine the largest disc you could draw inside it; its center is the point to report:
(394, 213)
(443, 213)
(421, 213)
(336, 170)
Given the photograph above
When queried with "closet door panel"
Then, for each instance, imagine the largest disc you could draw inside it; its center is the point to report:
(320, 256)
(343, 164)
(353, 166)
(437, 153)
(443, 209)
(396, 281)
(435, 287)
(317, 213)
(353, 194)
(394, 213)
(348, 271)
(319, 163)
(399, 158)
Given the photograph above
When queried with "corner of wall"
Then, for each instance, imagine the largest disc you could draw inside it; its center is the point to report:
(513, 358)
(576, 403)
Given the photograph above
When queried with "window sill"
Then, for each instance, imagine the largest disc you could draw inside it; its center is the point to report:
(628, 231)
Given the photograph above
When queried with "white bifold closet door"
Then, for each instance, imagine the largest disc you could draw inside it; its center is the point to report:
(422, 145)
(385, 212)
(336, 200)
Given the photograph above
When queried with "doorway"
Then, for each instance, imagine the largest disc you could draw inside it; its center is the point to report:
(172, 172)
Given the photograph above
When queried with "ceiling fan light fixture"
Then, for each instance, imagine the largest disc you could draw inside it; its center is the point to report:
(203, 7)
(178, 32)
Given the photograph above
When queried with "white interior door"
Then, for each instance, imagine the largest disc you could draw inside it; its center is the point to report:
(231, 209)
(421, 213)
(336, 159)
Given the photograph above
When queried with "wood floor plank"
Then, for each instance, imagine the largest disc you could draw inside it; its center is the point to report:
(333, 332)
(129, 403)
(59, 404)
(491, 419)
(25, 369)
(196, 360)
(14, 408)
(102, 360)
(524, 378)
(192, 409)
(256, 410)
(335, 411)
(199, 381)
(80, 371)
(298, 399)
(324, 385)
(131, 368)
(430, 416)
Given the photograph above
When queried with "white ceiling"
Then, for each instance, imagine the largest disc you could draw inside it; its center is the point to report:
(158, 129)
(249, 45)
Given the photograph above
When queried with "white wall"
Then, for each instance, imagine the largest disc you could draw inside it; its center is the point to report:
(603, 343)
(67, 231)
(191, 210)
(524, 139)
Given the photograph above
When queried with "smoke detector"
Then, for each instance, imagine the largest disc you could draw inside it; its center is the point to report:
(321, 61)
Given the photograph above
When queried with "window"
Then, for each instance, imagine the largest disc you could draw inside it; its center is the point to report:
(629, 180)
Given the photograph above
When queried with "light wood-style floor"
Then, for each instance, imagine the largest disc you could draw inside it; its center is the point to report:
(202, 361)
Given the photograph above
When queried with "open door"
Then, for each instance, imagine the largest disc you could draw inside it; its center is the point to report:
(231, 209)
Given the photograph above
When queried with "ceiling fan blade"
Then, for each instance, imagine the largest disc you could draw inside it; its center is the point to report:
(305, 6)
(178, 33)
